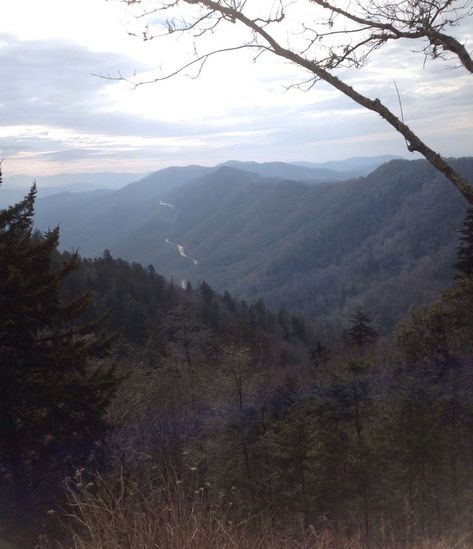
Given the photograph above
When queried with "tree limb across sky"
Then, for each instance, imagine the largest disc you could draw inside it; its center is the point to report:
(334, 35)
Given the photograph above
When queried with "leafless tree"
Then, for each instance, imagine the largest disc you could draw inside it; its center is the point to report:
(335, 34)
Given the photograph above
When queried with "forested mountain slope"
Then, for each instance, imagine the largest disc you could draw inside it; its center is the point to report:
(203, 408)
(318, 249)
(386, 242)
(93, 221)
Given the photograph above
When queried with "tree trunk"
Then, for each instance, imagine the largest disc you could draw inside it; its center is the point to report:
(10, 444)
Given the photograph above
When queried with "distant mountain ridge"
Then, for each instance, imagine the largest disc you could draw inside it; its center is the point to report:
(312, 172)
(15, 187)
(76, 181)
(83, 181)
(283, 170)
(355, 166)
(320, 249)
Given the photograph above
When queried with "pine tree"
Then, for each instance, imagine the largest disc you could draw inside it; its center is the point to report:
(52, 398)
(319, 354)
(289, 442)
(358, 337)
(464, 264)
(360, 333)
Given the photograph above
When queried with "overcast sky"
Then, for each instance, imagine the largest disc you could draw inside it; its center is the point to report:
(56, 116)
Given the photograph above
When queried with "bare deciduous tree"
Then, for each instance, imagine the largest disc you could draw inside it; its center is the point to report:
(335, 34)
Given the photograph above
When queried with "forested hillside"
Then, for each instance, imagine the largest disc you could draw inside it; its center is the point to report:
(143, 414)
(318, 249)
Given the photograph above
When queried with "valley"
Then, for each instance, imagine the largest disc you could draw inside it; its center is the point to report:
(319, 249)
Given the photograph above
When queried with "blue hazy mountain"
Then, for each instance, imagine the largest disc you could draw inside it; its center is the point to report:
(318, 249)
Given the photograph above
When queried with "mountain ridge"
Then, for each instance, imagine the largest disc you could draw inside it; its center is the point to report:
(318, 249)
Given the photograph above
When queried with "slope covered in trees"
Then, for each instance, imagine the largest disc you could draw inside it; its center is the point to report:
(58, 380)
(367, 442)
(319, 249)
(231, 421)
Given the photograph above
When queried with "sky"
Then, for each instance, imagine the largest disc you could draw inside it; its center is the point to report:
(57, 115)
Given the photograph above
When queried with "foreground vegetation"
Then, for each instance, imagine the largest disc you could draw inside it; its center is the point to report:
(209, 422)
(174, 515)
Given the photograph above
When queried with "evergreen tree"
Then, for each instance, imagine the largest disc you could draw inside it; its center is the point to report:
(358, 336)
(284, 322)
(360, 333)
(52, 398)
(209, 306)
(319, 354)
(464, 264)
(289, 442)
(298, 327)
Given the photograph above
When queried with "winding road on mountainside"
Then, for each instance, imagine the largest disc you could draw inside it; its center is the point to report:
(180, 247)
(161, 203)
(182, 252)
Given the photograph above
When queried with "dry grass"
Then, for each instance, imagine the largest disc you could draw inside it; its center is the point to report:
(122, 514)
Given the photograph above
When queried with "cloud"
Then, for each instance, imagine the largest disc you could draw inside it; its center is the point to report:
(51, 83)
(56, 116)
(71, 154)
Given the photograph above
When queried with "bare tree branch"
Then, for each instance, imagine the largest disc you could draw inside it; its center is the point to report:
(383, 20)
(198, 61)
(411, 19)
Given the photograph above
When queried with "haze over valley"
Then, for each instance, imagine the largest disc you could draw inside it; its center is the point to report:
(319, 246)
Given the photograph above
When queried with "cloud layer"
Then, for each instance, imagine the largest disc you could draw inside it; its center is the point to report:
(56, 116)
